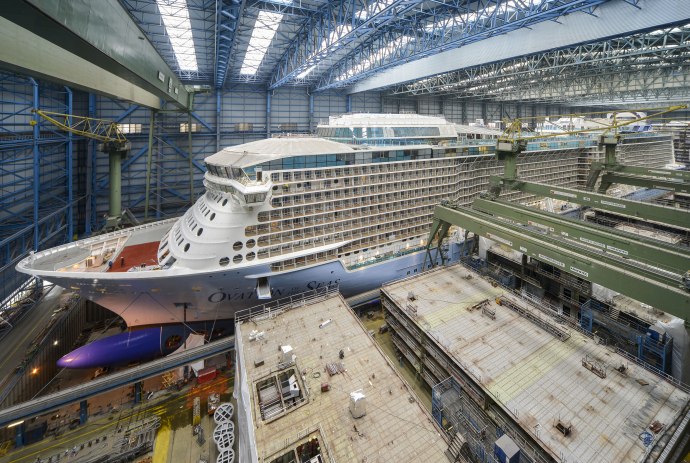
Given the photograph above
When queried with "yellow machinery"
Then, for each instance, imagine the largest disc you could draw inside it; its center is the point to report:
(113, 142)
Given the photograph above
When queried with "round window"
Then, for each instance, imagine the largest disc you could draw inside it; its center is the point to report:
(237, 246)
(251, 255)
(186, 247)
(213, 216)
(251, 243)
(237, 259)
(225, 201)
(199, 232)
(224, 261)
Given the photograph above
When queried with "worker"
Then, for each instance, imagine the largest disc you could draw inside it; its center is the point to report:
(110, 264)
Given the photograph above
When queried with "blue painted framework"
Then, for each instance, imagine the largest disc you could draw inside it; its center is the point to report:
(404, 42)
(37, 203)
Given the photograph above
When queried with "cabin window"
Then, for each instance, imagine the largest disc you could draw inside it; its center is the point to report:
(251, 255)
(186, 247)
(237, 259)
(224, 261)
(251, 243)
(237, 246)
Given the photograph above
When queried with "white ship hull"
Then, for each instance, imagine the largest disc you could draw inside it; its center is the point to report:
(168, 299)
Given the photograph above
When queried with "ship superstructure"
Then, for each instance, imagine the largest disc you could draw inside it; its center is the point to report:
(285, 215)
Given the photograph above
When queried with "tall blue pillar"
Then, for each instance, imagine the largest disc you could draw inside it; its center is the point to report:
(69, 153)
(268, 114)
(83, 411)
(19, 436)
(348, 104)
(137, 392)
(36, 164)
(91, 186)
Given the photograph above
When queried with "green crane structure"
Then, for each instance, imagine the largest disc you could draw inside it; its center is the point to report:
(112, 142)
(647, 270)
(657, 287)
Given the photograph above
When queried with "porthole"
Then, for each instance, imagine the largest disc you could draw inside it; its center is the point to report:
(251, 243)
(186, 247)
(275, 187)
(225, 201)
(224, 261)
(251, 255)
(237, 259)
(213, 216)
(199, 232)
(237, 246)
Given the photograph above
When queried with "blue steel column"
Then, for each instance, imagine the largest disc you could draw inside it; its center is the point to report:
(68, 161)
(37, 163)
(348, 103)
(218, 116)
(83, 411)
(138, 386)
(268, 114)
(19, 436)
(91, 153)
(311, 112)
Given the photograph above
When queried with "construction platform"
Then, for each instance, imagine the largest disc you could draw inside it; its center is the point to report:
(556, 392)
(297, 408)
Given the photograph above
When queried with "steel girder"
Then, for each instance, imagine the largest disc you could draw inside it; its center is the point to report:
(466, 23)
(334, 30)
(664, 52)
(610, 240)
(654, 288)
(645, 211)
(202, 16)
(228, 15)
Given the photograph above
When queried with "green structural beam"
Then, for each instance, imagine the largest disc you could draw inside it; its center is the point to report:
(665, 174)
(645, 211)
(94, 46)
(647, 182)
(609, 240)
(611, 273)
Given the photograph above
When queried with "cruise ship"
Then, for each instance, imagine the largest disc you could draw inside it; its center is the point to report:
(285, 215)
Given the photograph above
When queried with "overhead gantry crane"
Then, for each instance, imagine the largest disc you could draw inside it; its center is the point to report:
(652, 272)
(112, 142)
(512, 142)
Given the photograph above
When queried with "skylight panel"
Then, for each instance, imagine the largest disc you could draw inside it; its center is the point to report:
(264, 30)
(175, 17)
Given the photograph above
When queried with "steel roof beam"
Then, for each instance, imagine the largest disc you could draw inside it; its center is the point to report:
(613, 18)
(203, 26)
(660, 48)
(228, 17)
(336, 26)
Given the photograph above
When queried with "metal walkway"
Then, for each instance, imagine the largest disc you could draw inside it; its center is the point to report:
(75, 394)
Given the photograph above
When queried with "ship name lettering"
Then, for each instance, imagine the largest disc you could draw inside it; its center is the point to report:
(318, 284)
